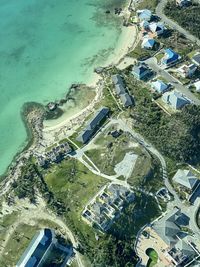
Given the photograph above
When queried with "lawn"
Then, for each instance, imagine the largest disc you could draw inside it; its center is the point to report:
(73, 184)
(153, 257)
(109, 151)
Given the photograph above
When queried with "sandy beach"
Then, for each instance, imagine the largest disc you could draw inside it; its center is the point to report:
(73, 117)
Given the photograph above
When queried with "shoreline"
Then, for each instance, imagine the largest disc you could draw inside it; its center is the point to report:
(125, 44)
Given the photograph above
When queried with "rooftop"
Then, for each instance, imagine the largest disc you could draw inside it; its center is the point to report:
(175, 99)
(36, 249)
(185, 178)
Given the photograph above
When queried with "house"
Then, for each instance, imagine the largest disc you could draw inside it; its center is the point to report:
(156, 28)
(170, 57)
(197, 86)
(144, 14)
(169, 228)
(187, 71)
(186, 179)
(148, 43)
(93, 125)
(38, 250)
(196, 59)
(119, 84)
(175, 99)
(159, 86)
(120, 90)
(140, 71)
(127, 100)
(183, 3)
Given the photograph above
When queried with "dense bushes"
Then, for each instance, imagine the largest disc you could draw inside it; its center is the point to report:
(188, 18)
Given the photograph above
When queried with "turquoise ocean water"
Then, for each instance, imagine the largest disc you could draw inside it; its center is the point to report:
(45, 45)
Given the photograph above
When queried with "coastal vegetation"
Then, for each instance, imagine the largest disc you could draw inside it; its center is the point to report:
(142, 211)
(177, 135)
(188, 18)
(148, 4)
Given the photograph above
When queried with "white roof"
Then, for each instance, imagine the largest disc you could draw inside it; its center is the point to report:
(197, 85)
(154, 27)
(144, 14)
(159, 86)
(148, 42)
(185, 178)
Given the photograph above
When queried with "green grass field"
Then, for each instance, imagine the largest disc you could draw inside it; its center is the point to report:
(73, 184)
(110, 151)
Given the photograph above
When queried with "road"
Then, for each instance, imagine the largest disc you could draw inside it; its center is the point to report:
(173, 24)
(152, 63)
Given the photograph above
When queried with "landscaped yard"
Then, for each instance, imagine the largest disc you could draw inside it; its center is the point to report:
(153, 257)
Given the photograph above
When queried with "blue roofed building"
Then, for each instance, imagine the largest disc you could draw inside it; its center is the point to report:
(159, 86)
(140, 71)
(175, 99)
(93, 125)
(38, 250)
(148, 43)
(170, 57)
(144, 14)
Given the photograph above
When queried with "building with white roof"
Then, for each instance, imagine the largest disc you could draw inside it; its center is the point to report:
(156, 28)
(187, 70)
(38, 250)
(159, 86)
(148, 43)
(144, 14)
(197, 86)
(186, 179)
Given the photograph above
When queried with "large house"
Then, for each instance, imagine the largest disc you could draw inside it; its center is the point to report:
(186, 179)
(93, 125)
(141, 71)
(175, 99)
(38, 250)
(121, 91)
(144, 14)
(187, 70)
(170, 57)
(169, 228)
(159, 86)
